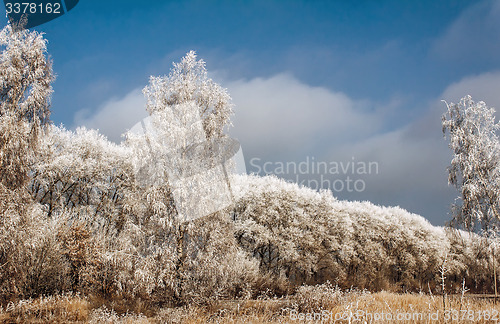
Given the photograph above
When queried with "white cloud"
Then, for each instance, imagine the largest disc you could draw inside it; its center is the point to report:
(474, 36)
(115, 116)
(281, 115)
(412, 168)
(484, 87)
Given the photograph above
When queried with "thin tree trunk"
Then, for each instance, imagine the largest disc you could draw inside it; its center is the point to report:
(181, 253)
(495, 271)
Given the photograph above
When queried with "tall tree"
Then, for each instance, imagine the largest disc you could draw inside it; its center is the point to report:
(475, 167)
(25, 90)
(188, 110)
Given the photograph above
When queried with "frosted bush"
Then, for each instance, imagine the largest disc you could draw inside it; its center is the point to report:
(316, 298)
(31, 256)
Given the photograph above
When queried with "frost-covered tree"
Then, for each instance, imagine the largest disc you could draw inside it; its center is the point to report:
(475, 167)
(25, 89)
(30, 259)
(175, 154)
(187, 110)
(81, 170)
(179, 146)
(303, 236)
(188, 81)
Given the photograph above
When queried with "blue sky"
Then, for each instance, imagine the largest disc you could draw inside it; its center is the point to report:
(331, 80)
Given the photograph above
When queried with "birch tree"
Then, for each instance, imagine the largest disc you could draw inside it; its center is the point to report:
(475, 167)
(177, 154)
(188, 81)
(25, 90)
(29, 251)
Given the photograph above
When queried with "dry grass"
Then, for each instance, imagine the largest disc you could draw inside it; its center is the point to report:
(326, 302)
(54, 309)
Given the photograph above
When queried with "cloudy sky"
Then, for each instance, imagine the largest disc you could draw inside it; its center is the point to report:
(331, 81)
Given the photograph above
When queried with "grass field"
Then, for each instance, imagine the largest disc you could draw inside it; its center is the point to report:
(306, 306)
